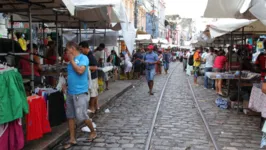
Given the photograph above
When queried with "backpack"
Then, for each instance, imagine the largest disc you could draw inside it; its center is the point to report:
(191, 60)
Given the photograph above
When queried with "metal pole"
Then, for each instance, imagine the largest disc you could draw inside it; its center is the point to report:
(94, 40)
(43, 33)
(230, 51)
(62, 49)
(240, 70)
(79, 31)
(31, 50)
(56, 31)
(12, 32)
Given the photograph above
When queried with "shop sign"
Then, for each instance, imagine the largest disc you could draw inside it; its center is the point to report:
(19, 25)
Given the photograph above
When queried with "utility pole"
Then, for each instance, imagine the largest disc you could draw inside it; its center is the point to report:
(136, 14)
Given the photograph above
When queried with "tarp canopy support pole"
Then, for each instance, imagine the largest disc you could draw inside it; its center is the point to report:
(79, 31)
(94, 39)
(56, 32)
(31, 49)
(12, 33)
(239, 78)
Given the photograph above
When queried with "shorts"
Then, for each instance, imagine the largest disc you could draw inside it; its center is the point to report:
(94, 88)
(76, 106)
(166, 65)
(196, 71)
(150, 74)
(217, 70)
(137, 67)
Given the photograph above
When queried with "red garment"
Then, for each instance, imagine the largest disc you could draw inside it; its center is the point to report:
(261, 61)
(26, 67)
(37, 122)
(51, 60)
(11, 136)
(219, 62)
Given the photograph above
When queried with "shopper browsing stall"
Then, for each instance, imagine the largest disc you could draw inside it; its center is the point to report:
(100, 56)
(77, 92)
(219, 64)
(93, 89)
(209, 60)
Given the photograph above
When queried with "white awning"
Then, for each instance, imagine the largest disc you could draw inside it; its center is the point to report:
(224, 26)
(226, 9)
(144, 38)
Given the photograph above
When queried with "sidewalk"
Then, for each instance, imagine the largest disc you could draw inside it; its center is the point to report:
(232, 131)
(60, 132)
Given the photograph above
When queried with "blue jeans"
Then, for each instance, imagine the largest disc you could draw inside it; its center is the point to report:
(206, 79)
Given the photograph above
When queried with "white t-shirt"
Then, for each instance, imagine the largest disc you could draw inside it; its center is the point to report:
(209, 60)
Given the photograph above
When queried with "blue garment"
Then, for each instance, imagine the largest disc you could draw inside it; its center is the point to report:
(78, 84)
(150, 58)
(206, 79)
(221, 103)
(166, 57)
(150, 75)
(166, 65)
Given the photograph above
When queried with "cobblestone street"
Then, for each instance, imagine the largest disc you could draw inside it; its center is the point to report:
(178, 125)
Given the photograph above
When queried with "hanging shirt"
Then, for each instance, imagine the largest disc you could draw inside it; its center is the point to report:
(78, 83)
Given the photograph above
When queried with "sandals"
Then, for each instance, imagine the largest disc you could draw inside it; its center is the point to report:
(69, 145)
(90, 139)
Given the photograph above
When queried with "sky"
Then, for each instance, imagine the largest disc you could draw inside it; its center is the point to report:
(186, 8)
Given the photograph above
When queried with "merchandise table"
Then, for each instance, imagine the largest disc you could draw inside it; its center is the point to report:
(246, 75)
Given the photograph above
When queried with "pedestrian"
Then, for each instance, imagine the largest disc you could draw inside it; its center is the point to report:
(137, 59)
(166, 60)
(196, 65)
(77, 92)
(219, 64)
(115, 61)
(185, 59)
(159, 64)
(128, 64)
(150, 60)
(209, 60)
(93, 87)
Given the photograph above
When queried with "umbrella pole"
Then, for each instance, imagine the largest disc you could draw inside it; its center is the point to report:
(31, 49)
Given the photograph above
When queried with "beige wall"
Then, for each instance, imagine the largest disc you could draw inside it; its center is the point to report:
(142, 19)
(129, 5)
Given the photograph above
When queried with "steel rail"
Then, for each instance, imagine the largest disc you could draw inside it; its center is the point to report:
(203, 117)
(148, 141)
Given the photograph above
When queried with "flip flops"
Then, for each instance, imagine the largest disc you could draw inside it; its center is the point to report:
(69, 145)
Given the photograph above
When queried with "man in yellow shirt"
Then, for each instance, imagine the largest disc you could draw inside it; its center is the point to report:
(196, 65)
(22, 42)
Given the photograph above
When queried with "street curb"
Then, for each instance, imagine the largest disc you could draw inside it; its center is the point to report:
(66, 133)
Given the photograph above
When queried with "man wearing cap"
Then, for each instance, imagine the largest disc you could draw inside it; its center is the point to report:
(150, 60)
